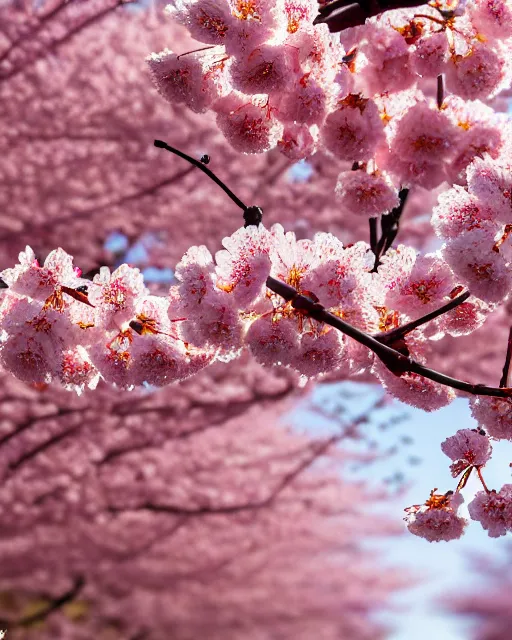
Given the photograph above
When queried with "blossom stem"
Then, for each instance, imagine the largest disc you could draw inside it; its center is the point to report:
(508, 357)
(390, 225)
(396, 334)
(478, 470)
(392, 359)
(464, 480)
(440, 90)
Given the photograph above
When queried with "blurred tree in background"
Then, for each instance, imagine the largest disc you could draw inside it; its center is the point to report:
(189, 512)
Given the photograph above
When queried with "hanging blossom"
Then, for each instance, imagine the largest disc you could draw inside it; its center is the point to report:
(467, 448)
(437, 519)
(493, 509)
(494, 414)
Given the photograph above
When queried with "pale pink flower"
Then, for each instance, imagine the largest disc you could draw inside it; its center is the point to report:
(253, 23)
(413, 389)
(424, 134)
(208, 21)
(464, 319)
(458, 211)
(493, 510)
(491, 182)
(365, 194)
(419, 285)
(196, 275)
(430, 56)
(213, 324)
(263, 70)
(492, 18)
(437, 519)
(76, 371)
(480, 133)
(111, 357)
(244, 265)
(305, 103)
(299, 15)
(388, 61)
(476, 75)
(248, 127)
(354, 130)
(494, 414)
(340, 275)
(34, 340)
(28, 278)
(466, 448)
(273, 342)
(319, 354)
(197, 79)
(427, 174)
(115, 295)
(483, 270)
(297, 142)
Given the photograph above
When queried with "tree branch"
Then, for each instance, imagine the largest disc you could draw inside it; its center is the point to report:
(395, 361)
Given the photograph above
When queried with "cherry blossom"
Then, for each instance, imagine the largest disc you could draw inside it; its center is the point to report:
(466, 448)
(495, 415)
(493, 510)
(437, 519)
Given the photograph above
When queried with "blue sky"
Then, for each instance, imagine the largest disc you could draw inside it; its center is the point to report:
(442, 568)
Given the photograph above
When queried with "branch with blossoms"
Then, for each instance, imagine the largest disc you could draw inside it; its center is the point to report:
(315, 306)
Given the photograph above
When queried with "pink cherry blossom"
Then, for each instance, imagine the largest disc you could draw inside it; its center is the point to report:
(263, 70)
(491, 182)
(249, 127)
(365, 194)
(437, 519)
(483, 270)
(41, 283)
(197, 80)
(115, 295)
(458, 211)
(494, 415)
(493, 510)
(354, 130)
(466, 448)
(478, 74)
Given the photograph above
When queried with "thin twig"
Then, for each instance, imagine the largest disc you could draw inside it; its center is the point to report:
(390, 336)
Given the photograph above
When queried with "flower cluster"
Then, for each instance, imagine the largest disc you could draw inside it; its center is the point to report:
(274, 79)
(58, 326)
(437, 519)
(475, 223)
(470, 449)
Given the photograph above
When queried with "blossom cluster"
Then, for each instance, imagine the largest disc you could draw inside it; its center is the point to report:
(59, 326)
(475, 223)
(438, 519)
(274, 79)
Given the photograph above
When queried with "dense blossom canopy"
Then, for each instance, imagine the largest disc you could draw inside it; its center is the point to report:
(365, 98)
(185, 512)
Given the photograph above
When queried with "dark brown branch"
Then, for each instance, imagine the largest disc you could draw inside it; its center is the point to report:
(392, 335)
(42, 447)
(34, 419)
(506, 366)
(392, 359)
(318, 450)
(53, 605)
(390, 225)
(440, 90)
